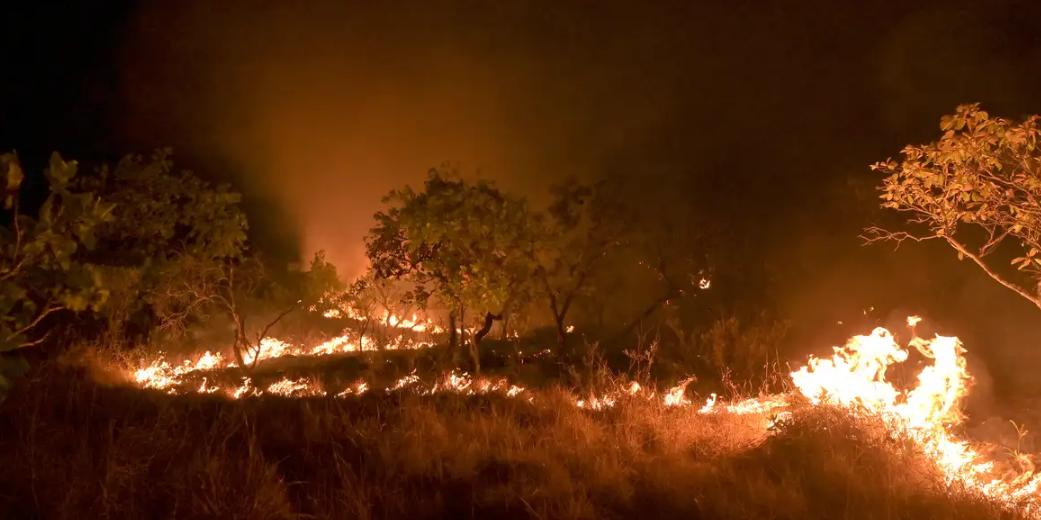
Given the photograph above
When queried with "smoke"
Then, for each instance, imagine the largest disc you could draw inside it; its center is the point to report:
(767, 117)
(325, 109)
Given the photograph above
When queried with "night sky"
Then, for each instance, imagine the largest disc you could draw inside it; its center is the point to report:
(767, 113)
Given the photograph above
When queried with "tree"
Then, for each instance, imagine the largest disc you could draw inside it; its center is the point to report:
(661, 253)
(580, 232)
(240, 289)
(466, 243)
(374, 303)
(41, 271)
(978, 189)
(163, 220)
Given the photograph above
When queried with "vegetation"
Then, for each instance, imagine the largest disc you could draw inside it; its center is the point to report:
(470, 245)
(139, 256)
(42, 272)
(978, 189)
(75, 449)
(139, 252)
(166, 227)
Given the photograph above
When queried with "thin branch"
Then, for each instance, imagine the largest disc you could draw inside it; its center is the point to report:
(876, 234)
(263, 333)
(50, 309)
(958, 246)
(28, 344)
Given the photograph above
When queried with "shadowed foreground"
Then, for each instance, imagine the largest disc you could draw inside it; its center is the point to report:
(75, 449)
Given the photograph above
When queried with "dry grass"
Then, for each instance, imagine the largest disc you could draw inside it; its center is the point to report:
(75, 449)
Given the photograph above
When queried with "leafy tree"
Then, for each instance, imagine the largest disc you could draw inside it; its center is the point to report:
(467, 243)
(163, 220)
(978, 189)
(41, 272)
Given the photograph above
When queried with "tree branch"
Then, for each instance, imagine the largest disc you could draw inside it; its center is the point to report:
(958, 246)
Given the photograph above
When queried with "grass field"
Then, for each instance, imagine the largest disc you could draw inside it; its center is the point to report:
(76, 448)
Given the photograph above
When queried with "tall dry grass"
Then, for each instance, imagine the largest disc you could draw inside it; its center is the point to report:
(73, 448)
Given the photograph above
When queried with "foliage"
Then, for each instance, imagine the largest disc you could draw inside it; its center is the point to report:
(164, 222)
(161, 213)
(41, 270)
(372, 301)
(660, 259)
(978, 188)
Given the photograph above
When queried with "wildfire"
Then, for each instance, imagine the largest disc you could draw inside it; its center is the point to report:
(160, 374)
(853, 377)
(387, 318)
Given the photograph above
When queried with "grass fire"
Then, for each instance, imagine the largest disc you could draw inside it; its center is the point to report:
(527, 260)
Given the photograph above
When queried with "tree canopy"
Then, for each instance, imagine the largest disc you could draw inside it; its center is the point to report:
(978, 189)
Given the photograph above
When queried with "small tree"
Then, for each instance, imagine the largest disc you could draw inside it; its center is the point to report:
(580, 232)
(663, 244)
(41, 273)
(468, 244)
(374, 302)
(240, 290)
(978, 189)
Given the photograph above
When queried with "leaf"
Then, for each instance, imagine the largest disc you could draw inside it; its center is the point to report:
(13, 178)
(60, 172)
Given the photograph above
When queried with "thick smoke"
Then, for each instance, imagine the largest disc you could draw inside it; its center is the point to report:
(768, 117)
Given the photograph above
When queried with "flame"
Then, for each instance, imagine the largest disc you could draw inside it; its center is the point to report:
(161, 374)
(710, 404)
(676, 396)
(413, 323)
(299, 387)
(854, 377)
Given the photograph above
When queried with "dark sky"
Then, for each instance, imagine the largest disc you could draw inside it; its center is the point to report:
(766, 112)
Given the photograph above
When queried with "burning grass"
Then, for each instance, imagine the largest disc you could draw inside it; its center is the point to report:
(74, 448)
(206, 438)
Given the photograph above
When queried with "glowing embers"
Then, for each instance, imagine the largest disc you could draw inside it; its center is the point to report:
(161, 375)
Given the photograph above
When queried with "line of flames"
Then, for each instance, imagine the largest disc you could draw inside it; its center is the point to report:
(414, 323)
(854, 378)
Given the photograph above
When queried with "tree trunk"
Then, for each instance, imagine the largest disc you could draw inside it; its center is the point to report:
(475, 344)
(561, 330)
(240, 344)
(647, 312)
(453, 330)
